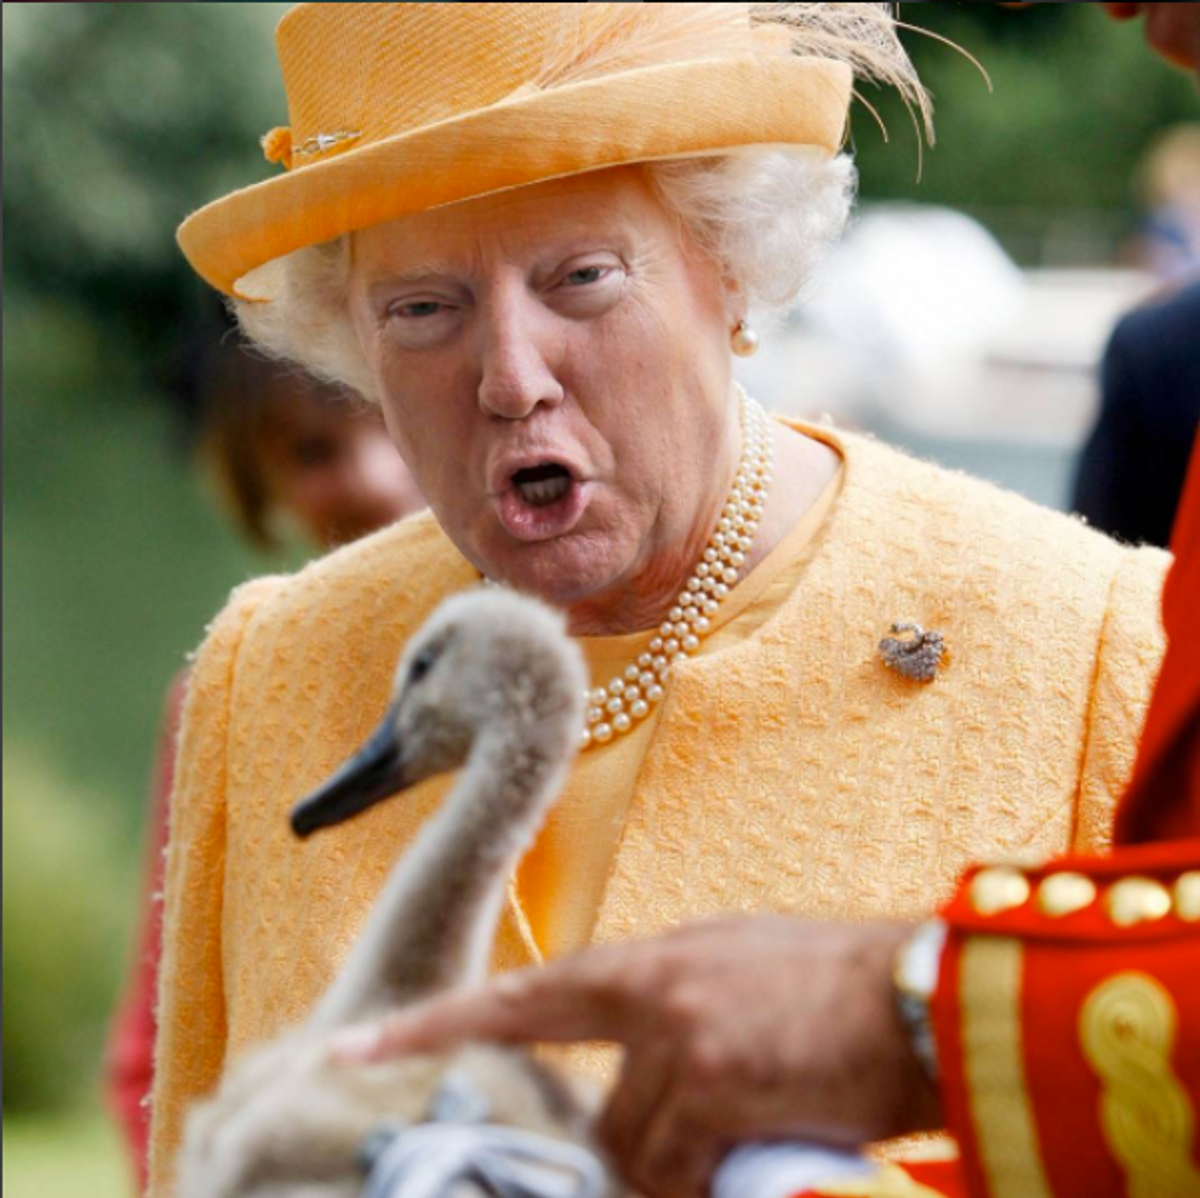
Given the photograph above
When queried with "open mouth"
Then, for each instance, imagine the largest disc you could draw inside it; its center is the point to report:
(542, 485)
(542, 501)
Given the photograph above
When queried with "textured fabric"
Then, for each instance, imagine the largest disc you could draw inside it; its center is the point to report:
(1068, 1044)
(561, 888)
(791, 771)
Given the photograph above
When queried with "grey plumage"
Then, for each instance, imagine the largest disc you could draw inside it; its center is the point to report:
(491, 683)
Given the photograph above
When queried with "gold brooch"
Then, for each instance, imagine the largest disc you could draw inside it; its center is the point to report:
(913, 652)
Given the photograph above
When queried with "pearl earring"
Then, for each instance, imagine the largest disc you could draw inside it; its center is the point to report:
(744, 341)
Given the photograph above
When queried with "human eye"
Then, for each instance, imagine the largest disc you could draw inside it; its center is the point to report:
(588, 287)
(582, 275)
(314, 452)
(420, 309)
(421, 321)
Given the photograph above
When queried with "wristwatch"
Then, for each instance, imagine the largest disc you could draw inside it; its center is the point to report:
(914, 980)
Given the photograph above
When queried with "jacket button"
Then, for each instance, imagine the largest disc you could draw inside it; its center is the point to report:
(1187, 896)
(1137, 900)
(1064, 894)
(998, 889)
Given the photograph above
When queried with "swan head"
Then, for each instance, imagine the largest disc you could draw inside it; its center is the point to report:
(488, 666)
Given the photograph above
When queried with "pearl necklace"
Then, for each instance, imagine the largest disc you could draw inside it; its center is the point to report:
(618, 707)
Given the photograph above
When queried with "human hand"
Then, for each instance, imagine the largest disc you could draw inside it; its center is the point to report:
(736, 1029)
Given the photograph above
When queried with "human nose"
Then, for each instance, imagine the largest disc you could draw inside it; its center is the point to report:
(516, 374)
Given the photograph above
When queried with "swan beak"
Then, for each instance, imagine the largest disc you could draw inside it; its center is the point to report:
(374, 773)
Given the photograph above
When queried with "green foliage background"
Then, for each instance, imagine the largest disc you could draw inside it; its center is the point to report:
(118, 120)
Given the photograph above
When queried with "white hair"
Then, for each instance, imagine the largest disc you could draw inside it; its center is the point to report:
(763, 215)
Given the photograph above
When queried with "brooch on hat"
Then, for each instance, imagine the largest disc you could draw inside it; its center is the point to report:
(278, 145)
(913, 652)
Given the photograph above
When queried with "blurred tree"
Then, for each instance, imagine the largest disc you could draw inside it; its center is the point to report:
(118, 120)
(1075, 99)
(62, 917)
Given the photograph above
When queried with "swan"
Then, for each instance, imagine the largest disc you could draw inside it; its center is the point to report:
(491, 683)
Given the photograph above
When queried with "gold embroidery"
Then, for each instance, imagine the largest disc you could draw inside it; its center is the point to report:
(994, 1067)
(890, 1182)
(1127, 1030)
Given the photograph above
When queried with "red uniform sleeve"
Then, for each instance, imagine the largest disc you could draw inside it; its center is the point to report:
(1163, 801)
(129, 1066)
(1067, 1018)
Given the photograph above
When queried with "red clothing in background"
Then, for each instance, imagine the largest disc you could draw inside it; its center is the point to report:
(1163, 801)
(129, 1067)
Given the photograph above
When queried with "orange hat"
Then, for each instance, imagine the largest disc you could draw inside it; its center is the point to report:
(396, 108)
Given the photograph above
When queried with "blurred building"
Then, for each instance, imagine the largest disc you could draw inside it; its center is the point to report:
(923, 329)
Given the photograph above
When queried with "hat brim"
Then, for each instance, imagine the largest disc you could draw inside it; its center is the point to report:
(676, 110)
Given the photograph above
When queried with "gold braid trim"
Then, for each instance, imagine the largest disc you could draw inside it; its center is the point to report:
(1127, 1030)
(990, 973)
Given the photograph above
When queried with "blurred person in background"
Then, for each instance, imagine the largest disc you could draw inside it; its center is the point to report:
(1168, 243)
(292, 460)
(1132, 468)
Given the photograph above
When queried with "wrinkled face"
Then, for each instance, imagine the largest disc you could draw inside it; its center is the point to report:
(553, 363)
(333, 469)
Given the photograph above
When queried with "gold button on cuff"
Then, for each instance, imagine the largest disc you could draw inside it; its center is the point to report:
(1187, 896)
(995, 890)
(1137, 900)
(1064, 894)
